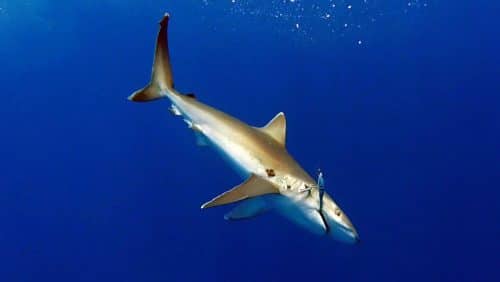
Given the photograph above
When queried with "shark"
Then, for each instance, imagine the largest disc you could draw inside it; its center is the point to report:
(273, 180)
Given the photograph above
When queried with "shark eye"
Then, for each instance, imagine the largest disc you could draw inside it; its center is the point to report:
(338, 212)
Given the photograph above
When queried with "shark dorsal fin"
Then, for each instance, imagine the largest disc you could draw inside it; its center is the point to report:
(252, 187)
(276, 128)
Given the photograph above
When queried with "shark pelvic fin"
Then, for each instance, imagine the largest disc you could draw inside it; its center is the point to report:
(252, 187)
(276, 128)
(161, 77)
(201, 140)
(248, 209)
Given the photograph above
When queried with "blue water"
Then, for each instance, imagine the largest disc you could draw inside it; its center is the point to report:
(399, 108)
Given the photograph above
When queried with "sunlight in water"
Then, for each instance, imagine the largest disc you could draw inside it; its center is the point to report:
(313, 18)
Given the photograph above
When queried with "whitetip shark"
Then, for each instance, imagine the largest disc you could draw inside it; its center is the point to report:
(273, 178)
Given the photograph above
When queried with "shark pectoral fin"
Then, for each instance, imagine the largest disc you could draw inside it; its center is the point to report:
(276, 128)
(254, 186)
(248, 209)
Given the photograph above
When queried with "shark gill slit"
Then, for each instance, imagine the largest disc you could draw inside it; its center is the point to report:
(325, 223)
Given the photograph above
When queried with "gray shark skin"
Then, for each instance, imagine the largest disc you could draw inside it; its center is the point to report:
(274, 180)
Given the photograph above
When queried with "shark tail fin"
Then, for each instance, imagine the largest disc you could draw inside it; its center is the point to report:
(161, 77)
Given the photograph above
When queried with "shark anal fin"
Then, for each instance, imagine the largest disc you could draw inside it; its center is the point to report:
(248, 209)
(276, 128)
(254, 186)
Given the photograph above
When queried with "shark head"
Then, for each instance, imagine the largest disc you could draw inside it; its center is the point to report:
(308, 205)
(337, 224)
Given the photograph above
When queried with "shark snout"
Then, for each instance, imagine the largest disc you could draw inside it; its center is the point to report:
(343, 230)
(339, 226)
(352, 235)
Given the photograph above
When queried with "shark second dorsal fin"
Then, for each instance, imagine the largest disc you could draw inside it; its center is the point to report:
(276, 128)
(254, 186)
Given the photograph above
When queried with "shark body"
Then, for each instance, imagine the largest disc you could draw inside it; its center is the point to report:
(273, 178)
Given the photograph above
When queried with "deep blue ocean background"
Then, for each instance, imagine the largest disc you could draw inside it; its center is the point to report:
(399, 108)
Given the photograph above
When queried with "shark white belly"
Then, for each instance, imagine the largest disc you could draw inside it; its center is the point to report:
(273, 178)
